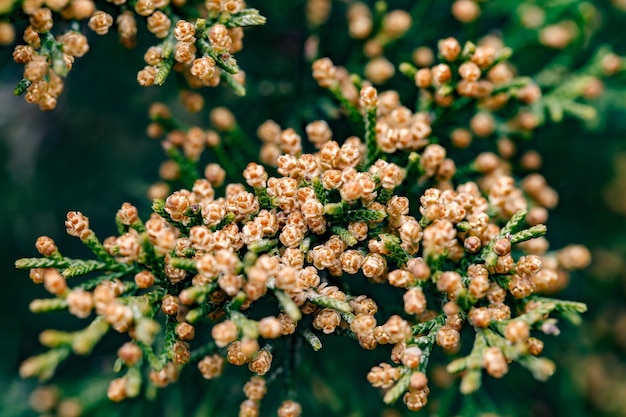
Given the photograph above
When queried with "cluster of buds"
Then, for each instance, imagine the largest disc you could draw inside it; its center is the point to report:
(394, 25)
(225, 274)
(202, 50)
(481, 74)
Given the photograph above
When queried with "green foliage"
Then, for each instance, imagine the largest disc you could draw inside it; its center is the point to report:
(276, 59)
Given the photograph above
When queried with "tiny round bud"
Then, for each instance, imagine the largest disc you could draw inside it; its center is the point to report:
(144, 279)
(45, 246)
(465, 11)
(495, 363)
(54, 282)
(502, 247)
(117, 389)
(415, 401)
(185, 331)
(7, 33)
(211, 366)
(379, 70)
(289, 409)
(129, 353)
(423, 56)
(517, 331)
(483, 124)
(423, 78)
(261, 364)
(479, 317)
(396, 23)
(448, 338)
(469, 71)
(449, 49)
(79, 302)
(461, 138)
(574, 257)
(441, 74)
(472, 244)
(369, 96)
(411, 357)
(100, 22)
(255, 389)
(225, 332)
(270, 327)
(535, 346)
(531, 160)
(418, 381)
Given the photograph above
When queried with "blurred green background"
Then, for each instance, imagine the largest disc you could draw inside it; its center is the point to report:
(91, 154)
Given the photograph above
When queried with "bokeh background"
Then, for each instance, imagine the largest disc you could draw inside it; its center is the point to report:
(92, 153)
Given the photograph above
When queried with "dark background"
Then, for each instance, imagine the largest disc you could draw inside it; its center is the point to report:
(91, 154)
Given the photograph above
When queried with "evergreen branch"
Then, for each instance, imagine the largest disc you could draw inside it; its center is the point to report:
(347, 317)
(184, 263)
(463, 226)
(79, 267)
(248, 328)
(244, 18)
(228, 219)
(164, 67)
(29, 263)
(133, 382)
(235, 303)
(288, 305)
(320, 191)
(54, 338)
(336, 209)
(148, 353)
(305, 245)
(202, 351)
(413, 168)
(579, 110)
(94, 244)
(384, 196)
(43, 366)
(488, 254)
(514, 84)
(168, 123)
(371, 144)
(85, 340)
(197, 294)
(396, 253)
(21, 87)
(408, 70)
(169, 342)
(400, 388)
(45, 305)
(235, 85)
(188, 168)
(353, 112)
(199, 312)
(345, 235)
(570, 310)
(366, 215)
(514, 223)
(312, 339)
(541, 368)
(429, 326)
(264, 199)
(224, 61)
(149, 257)
(471, 381)
(329, 302)
(262, 245)
(158, 206)
(531, 233)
